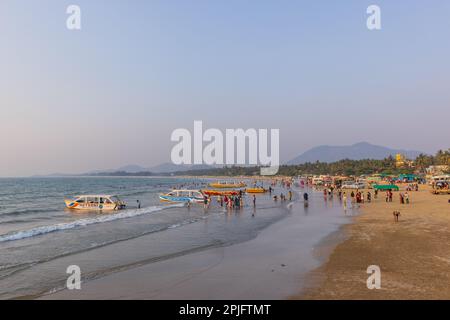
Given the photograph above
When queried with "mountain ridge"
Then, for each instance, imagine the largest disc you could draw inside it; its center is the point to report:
(357, 151)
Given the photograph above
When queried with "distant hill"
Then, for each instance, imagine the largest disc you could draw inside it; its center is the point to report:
(170, 167)
(358, 151)
(159, 169)
(129, 168)
(132, 168)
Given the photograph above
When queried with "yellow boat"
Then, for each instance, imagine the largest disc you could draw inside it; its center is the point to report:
(256, 190)
(225, 184)
(441, 191)
(221, 192)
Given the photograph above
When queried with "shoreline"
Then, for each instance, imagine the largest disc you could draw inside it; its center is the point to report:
(413, 254)
(270, 266)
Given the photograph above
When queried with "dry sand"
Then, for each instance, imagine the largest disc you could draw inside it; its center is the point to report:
(413, 254)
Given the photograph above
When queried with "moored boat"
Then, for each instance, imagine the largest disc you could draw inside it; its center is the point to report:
(256, 190)
(220, 192)
(226, 184)
(182, 196)
(95, 202)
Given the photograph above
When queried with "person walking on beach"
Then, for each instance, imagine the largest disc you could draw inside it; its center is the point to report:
(406, 196)
(254, 201)
(387, 196)
(369, 197)
(396, 214)
(376, 194)
(344, 199)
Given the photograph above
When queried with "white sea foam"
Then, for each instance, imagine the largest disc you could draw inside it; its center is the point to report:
(18, 235)
(176, 225)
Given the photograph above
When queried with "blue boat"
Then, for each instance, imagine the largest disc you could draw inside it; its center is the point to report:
(183, 196)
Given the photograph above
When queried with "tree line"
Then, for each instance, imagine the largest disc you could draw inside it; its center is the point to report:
(343, 167)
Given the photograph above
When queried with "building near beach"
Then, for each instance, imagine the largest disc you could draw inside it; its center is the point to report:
(401, 161)
(437, 170)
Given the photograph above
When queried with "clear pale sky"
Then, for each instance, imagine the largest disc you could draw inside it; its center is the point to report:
(111, 94)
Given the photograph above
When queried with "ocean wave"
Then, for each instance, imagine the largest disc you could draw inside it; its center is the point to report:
(19, 235)
(24, 212)
(185, 222)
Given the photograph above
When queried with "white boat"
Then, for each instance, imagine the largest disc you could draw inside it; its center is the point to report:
(183, 196)
(95, 202)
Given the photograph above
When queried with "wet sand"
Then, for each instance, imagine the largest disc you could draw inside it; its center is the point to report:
(413, 254)
(271, 266)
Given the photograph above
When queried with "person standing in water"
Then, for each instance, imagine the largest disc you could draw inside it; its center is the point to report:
(138, 204)
(254, 201)
(290, 195)
(237, 202)
(344, 199)
(205, 202)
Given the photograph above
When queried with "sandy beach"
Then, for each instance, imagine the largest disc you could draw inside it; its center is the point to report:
(314, 252)
(413, 254)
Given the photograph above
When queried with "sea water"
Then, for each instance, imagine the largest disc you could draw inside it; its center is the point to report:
(40, 238)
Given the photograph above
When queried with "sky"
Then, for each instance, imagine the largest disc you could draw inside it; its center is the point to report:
(112, 93)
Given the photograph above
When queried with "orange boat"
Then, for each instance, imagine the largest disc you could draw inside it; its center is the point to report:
(220, 192)
(255, 190)
(226, 184)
